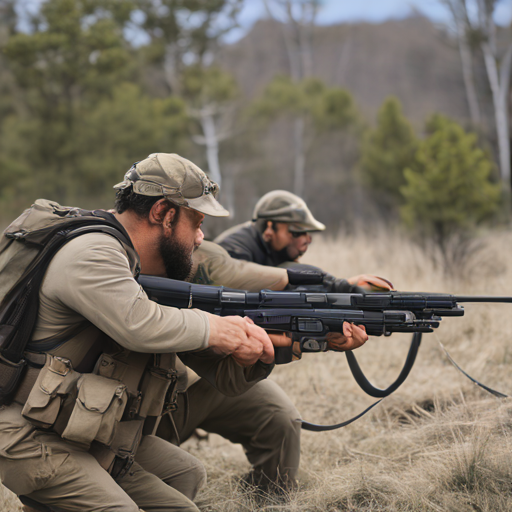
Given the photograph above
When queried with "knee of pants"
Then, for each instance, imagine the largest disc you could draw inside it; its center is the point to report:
(285, 420)
(198, 474)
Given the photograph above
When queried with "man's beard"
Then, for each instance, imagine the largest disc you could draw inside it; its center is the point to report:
(177, 258)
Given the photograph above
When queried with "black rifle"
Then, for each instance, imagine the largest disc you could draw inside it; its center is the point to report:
(310, 318)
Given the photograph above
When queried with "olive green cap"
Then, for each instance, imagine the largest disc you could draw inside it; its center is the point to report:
(283, 206)
(177, 179)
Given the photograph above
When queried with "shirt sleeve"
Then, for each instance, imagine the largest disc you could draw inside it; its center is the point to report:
(91, 276)
(224, 373)
(214, 265)
(239, 252)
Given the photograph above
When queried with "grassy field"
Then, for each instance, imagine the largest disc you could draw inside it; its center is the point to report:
(438, 444)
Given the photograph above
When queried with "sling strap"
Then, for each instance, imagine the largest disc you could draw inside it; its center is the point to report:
(368, 387)
(19, 309)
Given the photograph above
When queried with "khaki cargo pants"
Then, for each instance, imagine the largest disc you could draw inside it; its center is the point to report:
(52, 471)
(263, 420)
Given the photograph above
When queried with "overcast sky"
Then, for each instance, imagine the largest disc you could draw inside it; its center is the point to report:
(331, 12)
(337, 11)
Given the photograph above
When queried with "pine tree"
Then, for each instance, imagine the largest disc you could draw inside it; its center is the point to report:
(448, 190)
(386, 151)
(73, 57)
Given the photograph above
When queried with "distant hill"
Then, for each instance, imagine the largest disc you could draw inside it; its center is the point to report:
(410, 58)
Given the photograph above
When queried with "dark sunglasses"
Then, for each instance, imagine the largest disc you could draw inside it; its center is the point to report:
(297, 234)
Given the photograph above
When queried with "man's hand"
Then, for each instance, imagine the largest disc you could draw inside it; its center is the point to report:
(371, 283)
(353, 337)
(241, 338)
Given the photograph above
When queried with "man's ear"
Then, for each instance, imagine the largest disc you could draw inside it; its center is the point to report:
(169, 217)
(161, 213)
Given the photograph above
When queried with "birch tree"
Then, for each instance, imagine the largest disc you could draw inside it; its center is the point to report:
(186, 36)
(476, 29)
(210, 93)
(459, 15)
(499, 82)
(298, 20)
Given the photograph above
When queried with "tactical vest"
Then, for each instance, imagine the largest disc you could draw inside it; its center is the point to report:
(80, 383)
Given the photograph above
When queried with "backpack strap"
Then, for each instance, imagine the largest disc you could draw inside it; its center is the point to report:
(20, 307)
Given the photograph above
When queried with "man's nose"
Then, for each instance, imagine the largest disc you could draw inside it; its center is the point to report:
(199, 237)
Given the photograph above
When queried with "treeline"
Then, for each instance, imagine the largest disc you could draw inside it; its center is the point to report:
(87, 87)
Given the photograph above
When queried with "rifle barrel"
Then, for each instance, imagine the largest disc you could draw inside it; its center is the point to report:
(476, 298)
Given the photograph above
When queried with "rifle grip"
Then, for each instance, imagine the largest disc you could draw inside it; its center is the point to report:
(285, 355)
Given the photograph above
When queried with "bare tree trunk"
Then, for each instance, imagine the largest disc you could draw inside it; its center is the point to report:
(499, 98)
(171, 71)
(458, 8)
(300, 157)
(469, 81)
(213, 120)
(211, 142)
(298, 35)
(497, 84)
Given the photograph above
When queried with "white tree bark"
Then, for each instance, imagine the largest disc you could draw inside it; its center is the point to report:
(497, 82)
(211, 141)
(499, 79)
(458, 8)
(171, 71)
(499, 98)
(210, 118)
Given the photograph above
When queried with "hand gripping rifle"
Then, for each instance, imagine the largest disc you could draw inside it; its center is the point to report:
(312, 319)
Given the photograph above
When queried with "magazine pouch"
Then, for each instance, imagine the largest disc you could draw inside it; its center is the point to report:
(55, 381)
(158, 384)
(98, 408)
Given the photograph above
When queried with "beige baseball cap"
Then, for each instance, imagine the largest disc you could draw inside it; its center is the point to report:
(283, 206)
(177, 179)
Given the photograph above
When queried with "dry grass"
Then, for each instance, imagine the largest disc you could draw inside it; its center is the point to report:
(438, 444)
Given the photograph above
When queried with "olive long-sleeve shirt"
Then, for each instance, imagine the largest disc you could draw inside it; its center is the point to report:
(90, 278)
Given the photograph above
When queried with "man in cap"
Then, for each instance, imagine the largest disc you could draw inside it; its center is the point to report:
(280, 231)
(96, 326)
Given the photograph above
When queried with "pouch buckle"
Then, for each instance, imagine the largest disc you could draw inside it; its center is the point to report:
(134, 408)
(60, 365)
